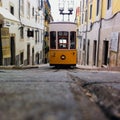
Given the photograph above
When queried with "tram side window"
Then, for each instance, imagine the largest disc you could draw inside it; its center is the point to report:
(72, 40)
(53, 40)
(63, 40)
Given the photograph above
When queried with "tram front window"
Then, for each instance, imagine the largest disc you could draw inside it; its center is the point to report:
(62, 40)
(72, 40)
(53, 40)
(62, 44)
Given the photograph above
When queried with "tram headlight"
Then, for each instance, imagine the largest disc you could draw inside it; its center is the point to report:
(62, 57)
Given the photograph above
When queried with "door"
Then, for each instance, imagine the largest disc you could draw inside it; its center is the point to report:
(28, 54)
(32, 56)
(12, 48)
(88, 49)
(105, 52)
(94, 51)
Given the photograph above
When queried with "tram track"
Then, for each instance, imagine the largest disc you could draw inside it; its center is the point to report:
(103, 95)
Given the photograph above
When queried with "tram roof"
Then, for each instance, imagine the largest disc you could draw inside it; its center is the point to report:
(62, 26)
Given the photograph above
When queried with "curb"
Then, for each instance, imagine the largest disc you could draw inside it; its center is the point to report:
(99, 68)
(18, 67)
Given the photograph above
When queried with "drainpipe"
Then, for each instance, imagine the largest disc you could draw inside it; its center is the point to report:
(117, 57)
(99, 33)
(19, 10)
(86, 35)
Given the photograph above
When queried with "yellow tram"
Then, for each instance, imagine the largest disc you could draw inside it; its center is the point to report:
(62, 43)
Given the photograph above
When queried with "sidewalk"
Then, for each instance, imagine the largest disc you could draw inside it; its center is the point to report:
(81, 67)
(86, 67)
(19, 67)
(23, 67)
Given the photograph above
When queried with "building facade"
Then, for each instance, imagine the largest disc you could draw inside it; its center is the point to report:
(99, 33)
(21, 32)
(47, 20)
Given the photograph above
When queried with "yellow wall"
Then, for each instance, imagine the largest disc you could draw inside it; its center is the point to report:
(94, 10)
(104, 8)
(115, 8)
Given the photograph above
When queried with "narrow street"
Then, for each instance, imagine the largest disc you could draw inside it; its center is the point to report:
(47, 93)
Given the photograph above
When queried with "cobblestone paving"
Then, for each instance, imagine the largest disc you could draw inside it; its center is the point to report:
(44, 94)
(103, 87)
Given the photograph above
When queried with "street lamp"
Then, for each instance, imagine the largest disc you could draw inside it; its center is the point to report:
(62, 8)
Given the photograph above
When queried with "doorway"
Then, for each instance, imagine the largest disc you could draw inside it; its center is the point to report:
(12, 48)
(32, 56)
(88, 49)
(94, 52)
(105, 52)
(28, 54)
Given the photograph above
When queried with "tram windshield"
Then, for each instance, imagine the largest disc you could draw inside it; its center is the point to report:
(62, 40)
(62, 43)
(53, 40)
(72, 40)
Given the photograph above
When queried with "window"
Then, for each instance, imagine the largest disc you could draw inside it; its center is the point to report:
(36, 36)
(108, 4)
(21, 57)
(33, 11)
(53, 40)
(82, 18)
(86, 2)
(63, 40)
(28, 10)
(72, 40)
(12, 10)
(90, 12)
(30, 33)
(84, 44)
(36, 18)
(98, 7)
(83, 4)
(86, 16)
(40, 4)
(22, 32)
(21, 7)
(41, 36)
(80, 43)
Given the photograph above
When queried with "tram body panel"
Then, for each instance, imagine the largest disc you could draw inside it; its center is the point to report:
(62, 57)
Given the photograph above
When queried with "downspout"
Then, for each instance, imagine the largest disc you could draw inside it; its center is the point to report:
(117, 57)
(99, 33)
(86, 35)
(19, 10)
(1, 52)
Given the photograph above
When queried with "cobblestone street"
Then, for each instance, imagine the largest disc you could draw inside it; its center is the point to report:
(46, 93)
